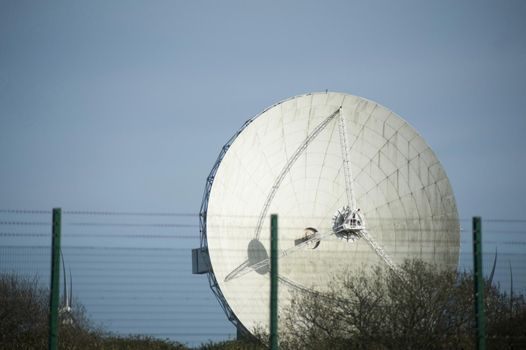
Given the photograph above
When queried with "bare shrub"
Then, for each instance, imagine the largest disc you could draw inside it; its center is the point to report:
(428, 308)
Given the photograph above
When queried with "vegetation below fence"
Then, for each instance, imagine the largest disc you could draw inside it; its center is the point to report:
(420, 307)
(24, 316)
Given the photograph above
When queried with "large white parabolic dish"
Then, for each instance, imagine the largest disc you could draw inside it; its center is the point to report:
(288, 160)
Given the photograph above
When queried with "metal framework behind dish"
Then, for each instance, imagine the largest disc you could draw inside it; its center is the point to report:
(202, 228)
(214, 285)
(202, 221)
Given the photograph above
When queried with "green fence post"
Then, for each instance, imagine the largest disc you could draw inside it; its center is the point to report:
(55, 280)
(478, 280)
(274, 282)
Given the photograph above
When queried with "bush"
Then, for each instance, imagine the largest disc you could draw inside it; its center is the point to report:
(427, 308)
(251, 344)
(24, 321)
(23, 313)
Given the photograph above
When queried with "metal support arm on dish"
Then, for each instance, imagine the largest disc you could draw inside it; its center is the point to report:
(380, 252)
(359, 228)
(246, 267)
(286, 168)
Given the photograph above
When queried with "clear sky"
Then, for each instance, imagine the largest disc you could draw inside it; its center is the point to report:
(124, 105)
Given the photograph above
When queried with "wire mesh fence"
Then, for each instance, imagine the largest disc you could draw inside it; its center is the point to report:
(133, 273)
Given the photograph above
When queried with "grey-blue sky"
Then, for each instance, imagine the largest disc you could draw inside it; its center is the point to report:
(124, 105)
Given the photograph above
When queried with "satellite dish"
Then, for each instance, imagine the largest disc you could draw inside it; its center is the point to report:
(353, 185)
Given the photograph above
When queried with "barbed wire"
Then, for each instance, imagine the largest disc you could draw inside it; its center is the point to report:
(196, 215)
(25, 211)
(27, 223)
(98, 212)
(130, 224)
